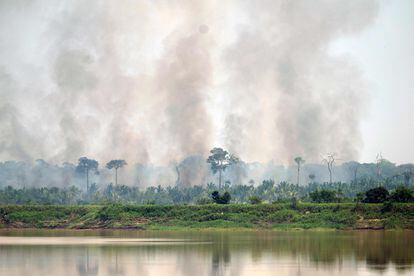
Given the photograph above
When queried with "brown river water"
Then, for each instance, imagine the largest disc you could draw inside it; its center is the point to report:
(127, 252)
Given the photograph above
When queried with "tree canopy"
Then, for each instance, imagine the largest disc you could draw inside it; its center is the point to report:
(85, 165)
(116, 164)
(219, 160)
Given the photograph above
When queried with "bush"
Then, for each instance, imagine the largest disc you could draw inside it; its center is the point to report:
(325, 196)
(376, 195)
(255, 200)
(402, 194)
(387, 207)
(221, 199)
(294, 203)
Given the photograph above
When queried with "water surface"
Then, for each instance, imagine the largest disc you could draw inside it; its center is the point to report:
(62, 252)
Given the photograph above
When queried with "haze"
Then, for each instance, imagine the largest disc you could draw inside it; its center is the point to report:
(157, 81)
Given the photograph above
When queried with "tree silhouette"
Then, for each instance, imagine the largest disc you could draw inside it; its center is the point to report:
(115, 164)
(299, 160)
(329, 160)
(85, 165)
(312, 177)
(220, 160)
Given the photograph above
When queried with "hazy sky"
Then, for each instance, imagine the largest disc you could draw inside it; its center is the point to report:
(157, 81)
(385, 54)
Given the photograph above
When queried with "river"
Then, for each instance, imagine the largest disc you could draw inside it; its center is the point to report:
(198, 253)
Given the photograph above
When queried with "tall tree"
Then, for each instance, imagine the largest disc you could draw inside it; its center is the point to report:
(299, 161)
(379, 160)
(116, 164)
(177, 170)
(329, 160)
(220, 160)
(85, 165)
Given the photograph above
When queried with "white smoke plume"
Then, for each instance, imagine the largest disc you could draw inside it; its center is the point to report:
(158, 81)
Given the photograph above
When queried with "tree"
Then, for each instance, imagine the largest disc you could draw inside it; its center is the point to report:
(312, 177)
(376, 195)
(221, 199)
(299, 160)
(116, 164)
(177, 170)
(402, 194)
(379, 160)
(85, 165)
(329, 160)
(220, 160)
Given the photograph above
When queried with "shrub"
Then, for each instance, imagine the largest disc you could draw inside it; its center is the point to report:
(402, 194)
(376, 195)
(323, 196)
(294, 203)
(255, 200)
(387, 207)
(221, 199)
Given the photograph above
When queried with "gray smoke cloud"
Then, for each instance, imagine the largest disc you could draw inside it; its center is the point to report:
(293, 97)
(158, 81)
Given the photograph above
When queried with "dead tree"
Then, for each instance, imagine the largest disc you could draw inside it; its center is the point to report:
(329, 160)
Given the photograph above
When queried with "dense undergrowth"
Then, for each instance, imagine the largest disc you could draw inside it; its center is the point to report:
(268, 216)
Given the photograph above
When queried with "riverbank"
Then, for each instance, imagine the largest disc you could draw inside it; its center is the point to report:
(232, 216)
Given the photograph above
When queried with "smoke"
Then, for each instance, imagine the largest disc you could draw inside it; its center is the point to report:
(293, 97)
(154, 82)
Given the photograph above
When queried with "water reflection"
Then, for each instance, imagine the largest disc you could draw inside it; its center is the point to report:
(208, 253)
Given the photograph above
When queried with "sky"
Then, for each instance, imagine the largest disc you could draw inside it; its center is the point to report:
(158, 81)
(385, 54)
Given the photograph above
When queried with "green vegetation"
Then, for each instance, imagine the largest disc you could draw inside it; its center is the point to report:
(259, 216)
(221, 199)
(402, 194)
(376, 195)
(255, 200)
(323, 196)
(267, 192)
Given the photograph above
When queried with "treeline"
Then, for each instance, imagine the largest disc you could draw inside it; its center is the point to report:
(194, 170)
(86, 182)
(268, 191)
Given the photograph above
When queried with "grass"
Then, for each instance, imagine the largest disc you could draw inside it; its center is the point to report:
(233, 216)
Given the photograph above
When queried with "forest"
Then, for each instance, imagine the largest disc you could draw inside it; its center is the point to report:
(85, 183)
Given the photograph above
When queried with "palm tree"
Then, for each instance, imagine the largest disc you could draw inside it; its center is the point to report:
(86, 165)
(116, 164)
(299, 160)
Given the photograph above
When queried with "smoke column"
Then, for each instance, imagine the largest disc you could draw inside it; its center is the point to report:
(158, 81)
